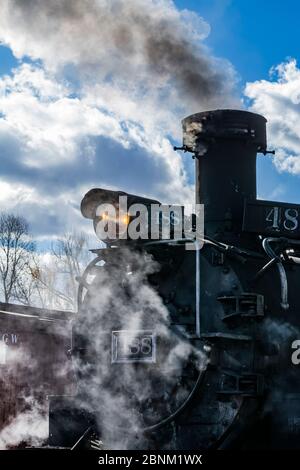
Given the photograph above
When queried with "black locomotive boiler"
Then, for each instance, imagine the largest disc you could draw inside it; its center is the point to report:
(177, 348)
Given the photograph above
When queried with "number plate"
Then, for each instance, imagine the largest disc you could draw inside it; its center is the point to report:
(133, 346)
(272, 218)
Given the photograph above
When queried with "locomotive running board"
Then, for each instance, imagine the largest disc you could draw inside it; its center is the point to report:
(226, 336)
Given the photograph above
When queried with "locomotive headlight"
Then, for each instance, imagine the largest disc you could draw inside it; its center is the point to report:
(110, 212)
(124, 220)
(111, 222)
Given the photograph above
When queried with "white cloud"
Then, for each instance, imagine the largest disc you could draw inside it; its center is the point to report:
(52, 151)
(53, 127)
(47, 215)
(278, 99)
(50, 123)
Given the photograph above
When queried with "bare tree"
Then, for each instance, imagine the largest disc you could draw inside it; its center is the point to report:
(16, 257)
(55, 279)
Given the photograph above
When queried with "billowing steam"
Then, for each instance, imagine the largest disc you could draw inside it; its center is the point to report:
(28, 428)
(137, 43)
(24, 416)
(28, 376)
(130, 397)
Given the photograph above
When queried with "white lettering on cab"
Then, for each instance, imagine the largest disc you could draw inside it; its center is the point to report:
(9, 338)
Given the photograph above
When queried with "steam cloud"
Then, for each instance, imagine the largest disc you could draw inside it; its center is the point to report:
(25, 386)
(29, 427)
(24, 419)
(129, 397)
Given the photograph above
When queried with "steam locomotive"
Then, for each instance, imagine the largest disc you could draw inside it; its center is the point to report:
(177, 348)
(198, 348)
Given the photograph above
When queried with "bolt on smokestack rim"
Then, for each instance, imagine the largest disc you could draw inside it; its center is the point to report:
(208, 126)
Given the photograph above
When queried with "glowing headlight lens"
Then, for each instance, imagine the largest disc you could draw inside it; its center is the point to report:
(111, 223)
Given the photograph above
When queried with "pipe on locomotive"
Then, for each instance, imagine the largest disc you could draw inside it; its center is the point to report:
(225, 143)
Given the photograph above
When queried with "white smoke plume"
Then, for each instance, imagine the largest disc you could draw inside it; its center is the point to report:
(23, 416)
(28, 428)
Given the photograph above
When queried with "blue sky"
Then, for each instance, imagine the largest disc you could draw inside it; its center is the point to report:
(65, 128)
(255, 36)
(7, 60)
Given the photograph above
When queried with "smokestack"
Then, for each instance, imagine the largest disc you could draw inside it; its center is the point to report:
(225, 143)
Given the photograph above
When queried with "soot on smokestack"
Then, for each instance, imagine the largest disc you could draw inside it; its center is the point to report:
(225, 143)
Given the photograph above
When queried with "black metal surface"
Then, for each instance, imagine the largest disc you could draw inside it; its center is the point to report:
(67, 422)
(225, 143)
(270, 218)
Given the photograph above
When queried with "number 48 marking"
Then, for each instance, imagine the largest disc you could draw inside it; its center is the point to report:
(290, 221)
